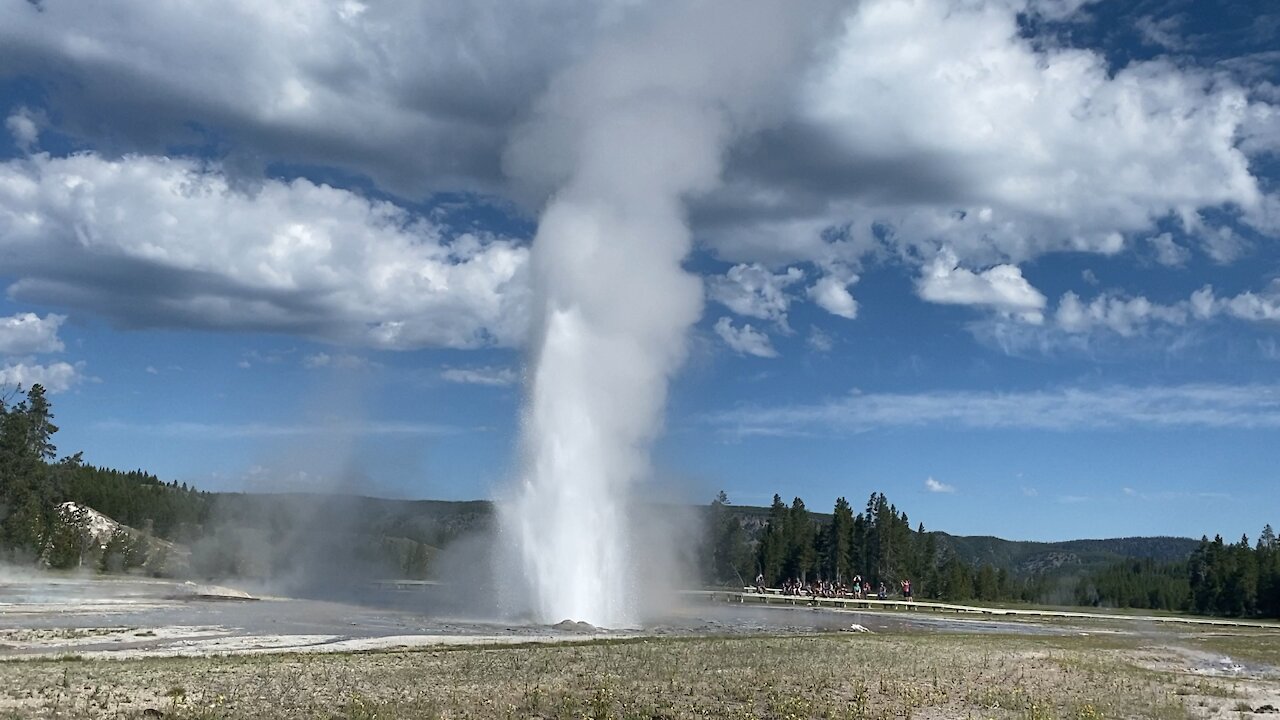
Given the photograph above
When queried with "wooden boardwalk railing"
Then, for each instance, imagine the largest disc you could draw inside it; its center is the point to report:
(773, 596)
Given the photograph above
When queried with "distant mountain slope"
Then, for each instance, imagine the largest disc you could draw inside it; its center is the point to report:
(437, 522)
(1026, 557)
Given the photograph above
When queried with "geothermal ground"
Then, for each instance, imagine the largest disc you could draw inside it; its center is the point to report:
(82, 647)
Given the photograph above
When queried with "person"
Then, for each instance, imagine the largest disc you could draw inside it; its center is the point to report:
(906, 589)
(760, 583)
(882, 593)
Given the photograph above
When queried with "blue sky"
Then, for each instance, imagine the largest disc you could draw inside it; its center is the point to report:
(1013, 263)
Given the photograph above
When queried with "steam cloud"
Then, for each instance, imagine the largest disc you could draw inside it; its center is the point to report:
(618, 143)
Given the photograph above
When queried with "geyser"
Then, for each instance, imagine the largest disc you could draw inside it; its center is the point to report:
(618, 143)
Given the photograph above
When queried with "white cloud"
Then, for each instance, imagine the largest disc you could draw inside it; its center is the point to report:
(970, 134)
(820, 340)
(754, 291)
(492, 376)
(1245, 306)
(1073, 499)
(1124, 316)
(831, 292)
(1000, 146)
(1164, 32)
(28, 333)
(203, 430)
(416, 95)
(55, 377)
(184, 246)
(745, 340)
(1223, 245)
(1168, 252)
(934, 486)
(1134, 316)
(340, 361)
(23, 126)
(1061, 151)
(1203, 405)
(151, 370)
(1001, 288)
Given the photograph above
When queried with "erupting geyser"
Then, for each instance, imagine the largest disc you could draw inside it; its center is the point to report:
(618, 143)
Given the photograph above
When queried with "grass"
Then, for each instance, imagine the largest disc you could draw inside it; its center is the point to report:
(1262, 648)
(858, 677)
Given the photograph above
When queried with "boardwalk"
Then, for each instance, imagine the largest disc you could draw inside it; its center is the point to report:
(775, 597)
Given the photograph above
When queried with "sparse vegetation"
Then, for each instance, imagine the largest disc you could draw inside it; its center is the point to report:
(830, 676)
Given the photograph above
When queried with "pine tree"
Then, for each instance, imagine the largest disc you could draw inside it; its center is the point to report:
(801, 557)
(773, 547)
(838, 560)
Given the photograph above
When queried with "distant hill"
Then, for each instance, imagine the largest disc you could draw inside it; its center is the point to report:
(437, 522)
(1026, 557)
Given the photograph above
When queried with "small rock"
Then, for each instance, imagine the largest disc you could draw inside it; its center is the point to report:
(1266, 709)
(152, 713)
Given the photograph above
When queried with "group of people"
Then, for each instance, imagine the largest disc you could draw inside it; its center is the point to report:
(857, 589)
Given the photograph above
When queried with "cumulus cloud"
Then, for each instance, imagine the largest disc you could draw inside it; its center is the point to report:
(150, 241)
(1223, 245)
(1001, 288)
(1168, 252)
(745, 340)
(753, 291)
(1042, 147)
(1124, 316)
(1002, 146)
(1128, 316)
(491, 376)
(973, 136)
(55, 377)
(934, 486)
(1198, 405)
(831, 292)
(1249, 306)
(29, 334)
(416, 95)
(24, 126)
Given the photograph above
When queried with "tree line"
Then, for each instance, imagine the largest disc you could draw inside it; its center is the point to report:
(33, 483)
(1236, 580)
(879, 545)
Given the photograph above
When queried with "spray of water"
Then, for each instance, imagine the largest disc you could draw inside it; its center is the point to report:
(619, 142)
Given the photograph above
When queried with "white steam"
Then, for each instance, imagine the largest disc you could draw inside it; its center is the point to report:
(618, 143)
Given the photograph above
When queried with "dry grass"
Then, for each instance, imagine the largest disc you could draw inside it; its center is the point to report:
(829, 676)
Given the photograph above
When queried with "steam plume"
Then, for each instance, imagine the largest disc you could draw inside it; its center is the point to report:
(618, 143)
